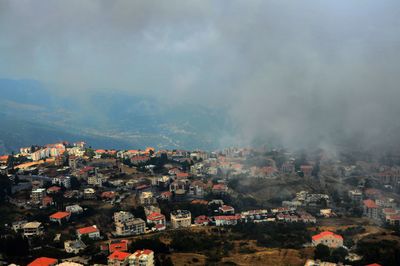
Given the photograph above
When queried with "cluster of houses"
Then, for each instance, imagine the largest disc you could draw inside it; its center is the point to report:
(113, 180)
(308, 200)
(380, 208)
(119, 257)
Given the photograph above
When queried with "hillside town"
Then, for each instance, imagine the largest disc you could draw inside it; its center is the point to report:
(70, 204)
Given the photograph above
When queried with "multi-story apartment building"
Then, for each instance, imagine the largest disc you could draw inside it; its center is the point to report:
(33, 229)
(62, 181)
(355, 195)
(370, 209)
(37, 195)
(126, 224)
(181, 218)
(147, 198)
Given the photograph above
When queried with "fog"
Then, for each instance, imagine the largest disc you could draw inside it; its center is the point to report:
(302, 73)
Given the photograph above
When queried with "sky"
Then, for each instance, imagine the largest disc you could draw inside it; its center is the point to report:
(308, 72)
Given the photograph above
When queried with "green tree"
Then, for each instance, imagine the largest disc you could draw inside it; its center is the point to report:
(339, 254)
(322, 252)
(90, 153)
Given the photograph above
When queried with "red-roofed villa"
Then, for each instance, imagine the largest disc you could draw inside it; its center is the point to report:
(328, 239)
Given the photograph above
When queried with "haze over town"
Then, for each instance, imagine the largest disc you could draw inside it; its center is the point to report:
(303, 73)
(199, 132)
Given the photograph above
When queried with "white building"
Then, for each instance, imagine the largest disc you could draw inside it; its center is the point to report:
(33, 229)
(126, 224)
(142, 258)
(74, 246)
(38, 194)
(62, 181)
(74, 209)
(181, 218)
(91, 231)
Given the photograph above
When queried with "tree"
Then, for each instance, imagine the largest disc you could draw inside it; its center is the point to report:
(90, 153)
(339, 254)
(167, 262)
(322, 252)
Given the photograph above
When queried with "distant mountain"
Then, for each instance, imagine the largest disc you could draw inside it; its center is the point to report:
(33, 114)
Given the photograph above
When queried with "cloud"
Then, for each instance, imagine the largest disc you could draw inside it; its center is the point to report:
(306, 72)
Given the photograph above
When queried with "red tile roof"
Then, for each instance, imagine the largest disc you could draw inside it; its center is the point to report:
(43, 261)
(201, 219)
(100, 151)
(140, 159)
(226, 208)
(119, 255)
(86, 169)
(160, 226)
(166, 194)
(182, 175)
(155, 216)
(60, 215)
(88, 230)
(370, 203)
(394, 217)
(108, 194)
(203, 202)
(142, 252)
(4, 158)
(227, 217)
(325, 234)
(219, 187)
(118, 246)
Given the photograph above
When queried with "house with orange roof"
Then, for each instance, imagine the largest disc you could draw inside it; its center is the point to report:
(225, 209)
(393, 219)
(91, 231)
(143, 257)
(328, 238)
(220, 188)
(108, 195)
(182, 175)
(119, 245)
(4, 159)
(59, 217)
(137, 160)
(202, 220)
(166, 195)
(370, 209)
(158, 219)
(226, 220)
(53, 190)
(118, 258)
(43, 261)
